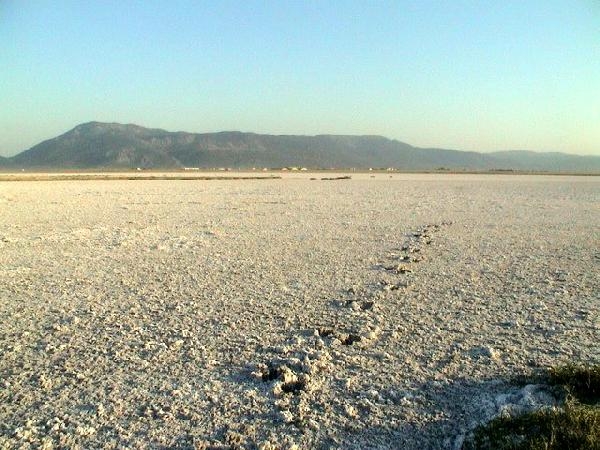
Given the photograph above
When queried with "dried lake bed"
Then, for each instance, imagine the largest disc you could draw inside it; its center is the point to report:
(383, 311)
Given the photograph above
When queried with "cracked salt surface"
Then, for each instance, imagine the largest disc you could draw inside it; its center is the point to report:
(365, 313)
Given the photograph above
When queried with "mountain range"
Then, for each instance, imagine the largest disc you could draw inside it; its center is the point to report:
(98, 145)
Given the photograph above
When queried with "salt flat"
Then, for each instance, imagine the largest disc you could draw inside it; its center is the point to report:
(385, 311)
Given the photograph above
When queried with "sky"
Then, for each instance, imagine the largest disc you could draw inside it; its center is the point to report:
(469, 75)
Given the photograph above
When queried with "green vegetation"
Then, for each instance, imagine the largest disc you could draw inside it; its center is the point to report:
(583, 383)
(574, 426)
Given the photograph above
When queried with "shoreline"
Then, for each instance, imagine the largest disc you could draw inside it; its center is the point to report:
(208, 175)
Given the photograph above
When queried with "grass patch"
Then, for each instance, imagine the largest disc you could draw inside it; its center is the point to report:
(581, 382)
(574, 426)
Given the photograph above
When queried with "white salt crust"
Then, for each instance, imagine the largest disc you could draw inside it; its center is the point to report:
(377, 312)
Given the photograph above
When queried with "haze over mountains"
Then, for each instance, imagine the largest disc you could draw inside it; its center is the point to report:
(97, 145)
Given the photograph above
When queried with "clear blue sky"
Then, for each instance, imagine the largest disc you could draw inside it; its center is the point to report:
(473, 75)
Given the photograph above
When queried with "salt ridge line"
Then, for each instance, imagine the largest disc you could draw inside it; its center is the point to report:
(304, 370)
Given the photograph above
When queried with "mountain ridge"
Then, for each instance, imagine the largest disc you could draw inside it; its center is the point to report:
(112, 145)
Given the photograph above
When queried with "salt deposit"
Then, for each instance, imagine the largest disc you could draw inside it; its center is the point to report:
(374, 312)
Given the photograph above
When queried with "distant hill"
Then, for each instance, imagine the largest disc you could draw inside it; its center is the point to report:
(550, 161)
(97, 145)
